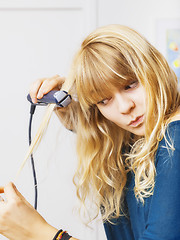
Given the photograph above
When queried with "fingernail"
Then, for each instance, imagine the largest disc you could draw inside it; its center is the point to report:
(39, 95)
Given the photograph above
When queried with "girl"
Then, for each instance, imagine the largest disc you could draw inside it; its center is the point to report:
(126, 117)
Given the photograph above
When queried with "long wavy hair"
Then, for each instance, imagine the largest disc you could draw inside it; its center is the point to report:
(109, 57)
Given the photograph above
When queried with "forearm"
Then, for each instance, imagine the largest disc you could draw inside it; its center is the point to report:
(45, 232)
(19, 220)
(48, 232)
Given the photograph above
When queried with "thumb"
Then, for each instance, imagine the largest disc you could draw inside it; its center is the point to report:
(10, 191)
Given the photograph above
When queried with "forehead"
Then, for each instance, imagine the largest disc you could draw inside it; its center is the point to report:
(100, 72)
(106, 89)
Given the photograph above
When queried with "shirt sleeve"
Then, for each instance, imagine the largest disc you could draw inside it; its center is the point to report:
(163, 222)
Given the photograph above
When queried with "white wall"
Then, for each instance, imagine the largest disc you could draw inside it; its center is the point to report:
(38, 39)
(141, 15)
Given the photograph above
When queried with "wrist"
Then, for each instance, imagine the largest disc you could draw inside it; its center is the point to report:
(45, 232)
(63, 235)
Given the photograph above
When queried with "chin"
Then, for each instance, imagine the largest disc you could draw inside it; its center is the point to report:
(139, 131)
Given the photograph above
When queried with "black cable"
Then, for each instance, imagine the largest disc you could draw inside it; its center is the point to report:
(32, 110)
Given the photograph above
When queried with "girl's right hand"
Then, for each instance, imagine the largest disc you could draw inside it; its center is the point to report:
(44, 85)
(19, 220)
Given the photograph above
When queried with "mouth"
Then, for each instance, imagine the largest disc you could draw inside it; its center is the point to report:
(135, 123)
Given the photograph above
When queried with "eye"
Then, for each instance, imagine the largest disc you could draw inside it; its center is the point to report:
(131, 85)
(104, 101)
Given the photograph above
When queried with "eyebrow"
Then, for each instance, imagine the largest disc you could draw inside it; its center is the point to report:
(121, 85)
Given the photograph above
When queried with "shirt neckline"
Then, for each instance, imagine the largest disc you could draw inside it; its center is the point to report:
(174, 122)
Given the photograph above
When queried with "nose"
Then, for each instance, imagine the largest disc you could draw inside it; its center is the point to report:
(124, 103)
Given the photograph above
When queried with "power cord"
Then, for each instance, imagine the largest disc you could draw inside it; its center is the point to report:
(62, 99)
(32, 110)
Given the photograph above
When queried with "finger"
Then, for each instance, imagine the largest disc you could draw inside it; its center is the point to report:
(14, 190)
(1, 189)
(53, 83)
(12, 193)
(34, 89)
(48, 85)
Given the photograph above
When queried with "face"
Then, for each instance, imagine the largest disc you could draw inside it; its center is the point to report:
(126, 108)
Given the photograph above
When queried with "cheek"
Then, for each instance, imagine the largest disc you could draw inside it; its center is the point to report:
(144, 99)
(140, 98)
(107, 113)
(104, 112)
(112, 115)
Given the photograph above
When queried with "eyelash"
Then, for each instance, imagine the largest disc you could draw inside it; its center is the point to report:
(131, 85)
(127, 87)
(103, 101)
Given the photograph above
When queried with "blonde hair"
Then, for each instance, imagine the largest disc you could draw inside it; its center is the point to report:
(109, 57)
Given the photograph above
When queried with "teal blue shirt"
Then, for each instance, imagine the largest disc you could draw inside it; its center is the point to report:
(159, 218)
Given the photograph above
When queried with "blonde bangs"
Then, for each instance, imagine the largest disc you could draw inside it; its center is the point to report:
(101, 70)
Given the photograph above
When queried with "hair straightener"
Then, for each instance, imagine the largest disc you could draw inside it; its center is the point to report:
(60, 98)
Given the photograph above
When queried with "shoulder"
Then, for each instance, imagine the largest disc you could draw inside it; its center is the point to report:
(169, 146)
(172, 135)
(172, 132)
(168, 151)
(176, 117)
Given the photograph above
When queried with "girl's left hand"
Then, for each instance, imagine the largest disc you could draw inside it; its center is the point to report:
(19, 220)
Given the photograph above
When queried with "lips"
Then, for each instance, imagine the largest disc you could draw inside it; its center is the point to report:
(137, 121)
